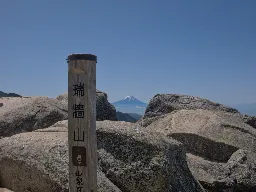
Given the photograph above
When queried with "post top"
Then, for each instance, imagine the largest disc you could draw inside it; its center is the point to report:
(78, 56)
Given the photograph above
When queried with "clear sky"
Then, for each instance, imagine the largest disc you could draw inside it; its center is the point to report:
(145, 47)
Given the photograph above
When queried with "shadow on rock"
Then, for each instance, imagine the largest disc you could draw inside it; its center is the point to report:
(203, 147)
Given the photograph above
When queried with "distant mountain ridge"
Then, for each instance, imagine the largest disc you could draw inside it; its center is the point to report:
(135, 115)
(130, 104)
(3, 94)
(247, 108)
(130, 100)
(125, 117)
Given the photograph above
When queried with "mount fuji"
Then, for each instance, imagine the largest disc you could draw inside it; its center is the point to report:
(130, 105)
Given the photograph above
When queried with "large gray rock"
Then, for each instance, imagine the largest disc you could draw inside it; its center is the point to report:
(238, 174)
(38, 162)
(63, 97)
(202, 131)
(104, 110)
(5, 190)
(162, 104)
(104, 184)
(29, 113)
(132, 160)
(211, 140)
(250, 120)
(137, 161)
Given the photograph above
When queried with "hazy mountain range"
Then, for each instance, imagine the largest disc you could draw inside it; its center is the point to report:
(130, 105)
(135, 116)
(3, 94)
(247, 108)
(125, 117)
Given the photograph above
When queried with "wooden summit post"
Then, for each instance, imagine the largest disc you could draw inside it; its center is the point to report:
(82, 123)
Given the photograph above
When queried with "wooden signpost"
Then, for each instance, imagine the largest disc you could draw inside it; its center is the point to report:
(82, 123)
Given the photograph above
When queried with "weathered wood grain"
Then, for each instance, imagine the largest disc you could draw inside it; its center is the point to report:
(83, 71)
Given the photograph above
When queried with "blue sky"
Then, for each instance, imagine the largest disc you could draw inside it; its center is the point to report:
(201, 48)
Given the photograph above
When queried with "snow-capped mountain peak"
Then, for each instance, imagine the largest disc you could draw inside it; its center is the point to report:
(130, 98)
(130, 105)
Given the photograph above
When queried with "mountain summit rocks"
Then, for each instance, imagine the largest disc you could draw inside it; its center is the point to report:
(219, 141)
(162, 104)
(250, 120)
(166, 103)
(104, 110)
(23, 114)
(180, 140)
(129, 160)
(38, 162)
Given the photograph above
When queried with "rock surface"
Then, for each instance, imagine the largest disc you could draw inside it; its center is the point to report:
(5, 190)
(220, 146)
(250, 120)
(104, 184)
(238, 174)
(162, 104)
(214, 132)
(29, 113)
(132, 160)
(104, 110)
(219, 142)
(38, 162)
(137, 161)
